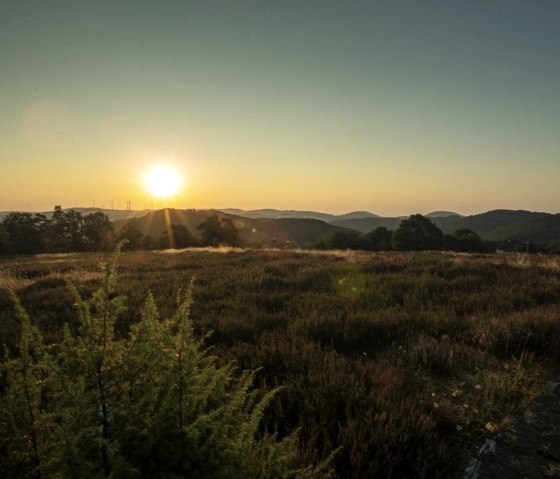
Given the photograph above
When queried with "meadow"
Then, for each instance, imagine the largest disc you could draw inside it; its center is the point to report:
(406, 360)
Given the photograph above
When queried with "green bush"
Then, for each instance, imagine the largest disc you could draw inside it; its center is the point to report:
(153, 404)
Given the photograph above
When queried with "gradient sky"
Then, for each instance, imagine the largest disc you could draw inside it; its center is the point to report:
(390, 106)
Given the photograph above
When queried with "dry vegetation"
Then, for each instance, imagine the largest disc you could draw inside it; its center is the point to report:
(405, 359)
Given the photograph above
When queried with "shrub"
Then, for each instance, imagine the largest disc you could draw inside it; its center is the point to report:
(152, 405)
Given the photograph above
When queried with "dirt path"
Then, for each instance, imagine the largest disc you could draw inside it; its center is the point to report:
(528, 448)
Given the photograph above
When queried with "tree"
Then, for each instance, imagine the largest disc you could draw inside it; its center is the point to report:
(150, 243)
(26, 232)
(210, 229)
(5, 244)
(216, 231)
(154, 404)
(55, 231)
(177, 236)
(74, 231)
(417, 233)
(348, 239)
(132, 234)
(64, 231)
(464, 240)
(230, 234)
(381, 238)
(98, 232)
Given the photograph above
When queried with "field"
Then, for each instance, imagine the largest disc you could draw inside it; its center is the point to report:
(406, 360)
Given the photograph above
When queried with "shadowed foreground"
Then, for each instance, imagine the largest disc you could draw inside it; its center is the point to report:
(529, 443)
(409, 361)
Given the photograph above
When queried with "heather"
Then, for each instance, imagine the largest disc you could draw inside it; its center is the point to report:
(403, 360)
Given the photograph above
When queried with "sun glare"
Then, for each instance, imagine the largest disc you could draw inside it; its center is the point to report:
(162, 181)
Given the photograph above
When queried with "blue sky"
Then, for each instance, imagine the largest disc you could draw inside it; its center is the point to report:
(394, 107)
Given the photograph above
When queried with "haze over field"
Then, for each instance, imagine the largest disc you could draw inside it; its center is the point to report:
(390, 107)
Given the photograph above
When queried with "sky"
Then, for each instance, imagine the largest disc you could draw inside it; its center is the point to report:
(390, 106)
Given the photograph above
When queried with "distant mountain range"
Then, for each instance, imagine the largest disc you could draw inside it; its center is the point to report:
(271, 226)
(252, 231)
(442, 214)
(496, 225)
(275, 214)
(304, 227)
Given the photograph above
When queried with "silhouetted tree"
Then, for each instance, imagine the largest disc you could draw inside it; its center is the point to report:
(210, 230)
(464, 240)
(216, 231)
(148, 242)
(178, 236)
(74, 232)
(230, 234)
(132, 234)
(55, 232)
(345, 240)
(64, 231)
(381, 238)
(98, 232)
(4, 240)
(26, 232)
(417, 233)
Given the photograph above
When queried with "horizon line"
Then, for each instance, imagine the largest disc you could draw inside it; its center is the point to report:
(102, 208)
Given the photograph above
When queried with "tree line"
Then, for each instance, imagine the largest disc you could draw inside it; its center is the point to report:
(70, 231)
(415, 233)
(214, 231)
(64, 231)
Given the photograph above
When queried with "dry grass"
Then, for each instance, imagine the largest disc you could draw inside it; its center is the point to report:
(365, 344)
(9, 280)
(205, 249)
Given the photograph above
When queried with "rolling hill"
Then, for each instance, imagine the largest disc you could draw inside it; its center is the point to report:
(275, 214)
(365, 225)
(442, 214)
(487, 223)
(495, 225)
(252, 231)
(270, 226)
(538, 230)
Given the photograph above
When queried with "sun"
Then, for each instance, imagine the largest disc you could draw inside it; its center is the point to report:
(162, 181)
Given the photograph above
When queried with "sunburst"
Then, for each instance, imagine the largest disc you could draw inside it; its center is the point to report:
(162, 181)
